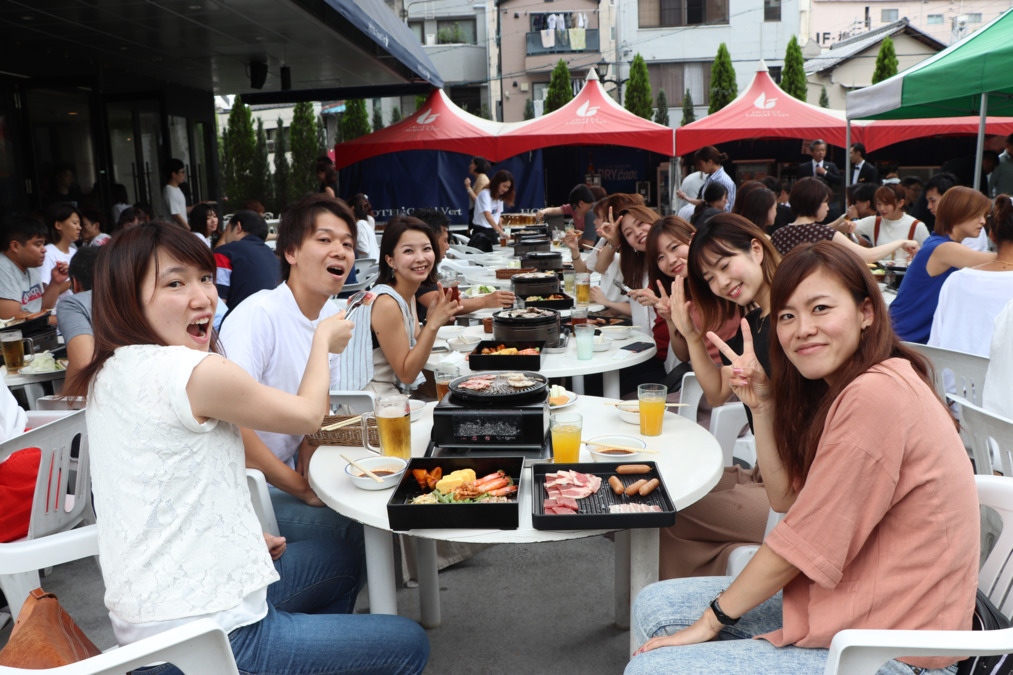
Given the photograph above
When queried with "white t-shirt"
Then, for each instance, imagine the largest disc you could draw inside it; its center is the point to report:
(999, 378)
(484, 202)
(269, 337)
(178, 535)
(891, 230)
(206, 241)
(691, 186)
(174, 203)
(969, 301)
(365, 240)
(13, 419)
(54, 256)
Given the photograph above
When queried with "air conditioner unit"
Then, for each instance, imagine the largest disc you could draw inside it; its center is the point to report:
(430, 38)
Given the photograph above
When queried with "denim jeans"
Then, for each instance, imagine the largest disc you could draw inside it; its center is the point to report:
(668, 606)
(298, 521)
(308, 630)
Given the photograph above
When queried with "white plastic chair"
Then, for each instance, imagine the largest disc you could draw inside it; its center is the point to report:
(740, 556)
(727, 420)
(195, 648)
(367, 271)
(55, 508)
(860, 652)
(352, 401)
(966, 371)
(987, 431)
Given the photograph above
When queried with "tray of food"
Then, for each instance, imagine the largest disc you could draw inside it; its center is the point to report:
(465, 492)
(599, 496)
(506, 354)
(551, 301)
(499, 387)
(507, 272)
(27, 325)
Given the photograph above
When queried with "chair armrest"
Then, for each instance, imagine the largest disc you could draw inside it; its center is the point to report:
(855, 652)
(53, 549)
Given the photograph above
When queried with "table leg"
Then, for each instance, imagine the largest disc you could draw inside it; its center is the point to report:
(610, 384)
(429, 582)
(380, 571)
(578, 385)
(644, 546)
(622, 580)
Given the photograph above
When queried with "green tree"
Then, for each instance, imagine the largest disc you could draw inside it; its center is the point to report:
(824, 98)
(302, 139)
(638, 89)
(354, 122)
(688, 113)
(281, 168)
(560, 90)
(661, 116)
(377, 115)
(321, 137)
(886, 61)
(724, 88)
(420, 100)
(793, 75)
(529, 110)
(260, 183)
(240, 149)
(484, 112)
(395, 115)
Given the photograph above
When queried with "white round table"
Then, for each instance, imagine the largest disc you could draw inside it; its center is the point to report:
(566, 364)
(689, 460)
(32, 383)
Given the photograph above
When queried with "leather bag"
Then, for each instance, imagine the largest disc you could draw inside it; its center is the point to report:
(44, 636)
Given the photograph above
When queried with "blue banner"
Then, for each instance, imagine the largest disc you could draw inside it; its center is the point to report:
(399, 182)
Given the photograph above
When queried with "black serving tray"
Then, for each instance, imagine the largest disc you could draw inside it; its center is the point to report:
(593, 512)
(565, 303)
(479, 361)
(404, 515)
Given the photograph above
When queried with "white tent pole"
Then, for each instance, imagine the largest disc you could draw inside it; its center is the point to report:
(847, 166)
(980, 149)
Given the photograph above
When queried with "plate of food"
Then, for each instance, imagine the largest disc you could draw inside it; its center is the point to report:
(43, 363)
(560, 398)
(477, 291)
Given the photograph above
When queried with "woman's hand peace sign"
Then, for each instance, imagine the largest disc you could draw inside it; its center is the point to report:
(680, 310)
(746, 375)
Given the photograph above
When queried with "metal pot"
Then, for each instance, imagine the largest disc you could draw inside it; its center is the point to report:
(543, 260)
(525, 285)
(545, 327)
(525, 246)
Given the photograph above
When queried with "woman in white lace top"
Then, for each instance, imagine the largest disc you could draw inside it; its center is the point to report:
(178, 538)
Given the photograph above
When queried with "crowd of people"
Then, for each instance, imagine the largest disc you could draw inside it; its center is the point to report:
(756, 288)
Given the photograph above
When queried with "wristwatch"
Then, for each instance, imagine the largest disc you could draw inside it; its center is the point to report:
(723, 618)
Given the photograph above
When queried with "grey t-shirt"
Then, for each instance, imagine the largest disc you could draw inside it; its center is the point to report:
(73, 315)
(24, 287)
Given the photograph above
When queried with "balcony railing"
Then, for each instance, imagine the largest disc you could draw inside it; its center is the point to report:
(562, 42)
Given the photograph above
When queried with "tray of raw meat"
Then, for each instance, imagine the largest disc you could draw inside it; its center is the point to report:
(599, 496)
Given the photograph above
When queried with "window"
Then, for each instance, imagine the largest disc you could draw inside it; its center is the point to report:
(455, 32)
(418, 30)
(775, 73)
(888, 15)
(771, 10)
(934, 20)
(669, 13)
(676, 78)
(974, 18)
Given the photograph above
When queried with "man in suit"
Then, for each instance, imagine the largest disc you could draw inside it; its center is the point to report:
(862, 171)
(819, 167)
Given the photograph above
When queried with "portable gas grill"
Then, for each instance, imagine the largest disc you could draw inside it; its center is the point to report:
(501, 421)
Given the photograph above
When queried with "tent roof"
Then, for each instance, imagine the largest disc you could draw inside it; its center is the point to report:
(592, 117)
(949, 83)
(876, 134)
(763, 111)
(438, 125)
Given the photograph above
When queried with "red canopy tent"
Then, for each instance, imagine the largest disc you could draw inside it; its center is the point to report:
(437, 125)
(592, 117)
(763, 111)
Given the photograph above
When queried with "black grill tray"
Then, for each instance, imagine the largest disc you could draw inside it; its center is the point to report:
(593, 512)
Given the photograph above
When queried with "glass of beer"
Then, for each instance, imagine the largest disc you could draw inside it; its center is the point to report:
(582, 283)
(578, 316)
(565, 429)
(652, 408)
(568, 282)
(14, 350)
(393, 421)
(443, 376)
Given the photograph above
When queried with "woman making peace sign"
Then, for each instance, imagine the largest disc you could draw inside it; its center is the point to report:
(882, 517)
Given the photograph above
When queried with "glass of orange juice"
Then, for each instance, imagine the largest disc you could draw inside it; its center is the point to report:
(652, 408)
(566, 428)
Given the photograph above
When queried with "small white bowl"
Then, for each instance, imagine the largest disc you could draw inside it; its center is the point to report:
(396, 465)
(463, 343)
(629, 412)
(601, 343)
(602, 453)
(416, 408)
(616, 332)
(447, 332)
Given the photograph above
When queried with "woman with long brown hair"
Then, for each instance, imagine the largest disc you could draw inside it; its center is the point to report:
(865, 460)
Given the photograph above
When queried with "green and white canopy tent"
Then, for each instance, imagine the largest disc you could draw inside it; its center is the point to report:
(971, 77)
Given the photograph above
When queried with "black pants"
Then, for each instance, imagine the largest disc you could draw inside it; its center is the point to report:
(483, 238)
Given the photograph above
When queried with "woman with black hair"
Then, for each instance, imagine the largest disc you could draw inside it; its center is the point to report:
(711, 162)
(479, 169)
(715, 199)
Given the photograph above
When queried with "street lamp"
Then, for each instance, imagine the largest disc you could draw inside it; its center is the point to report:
(619, 82)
